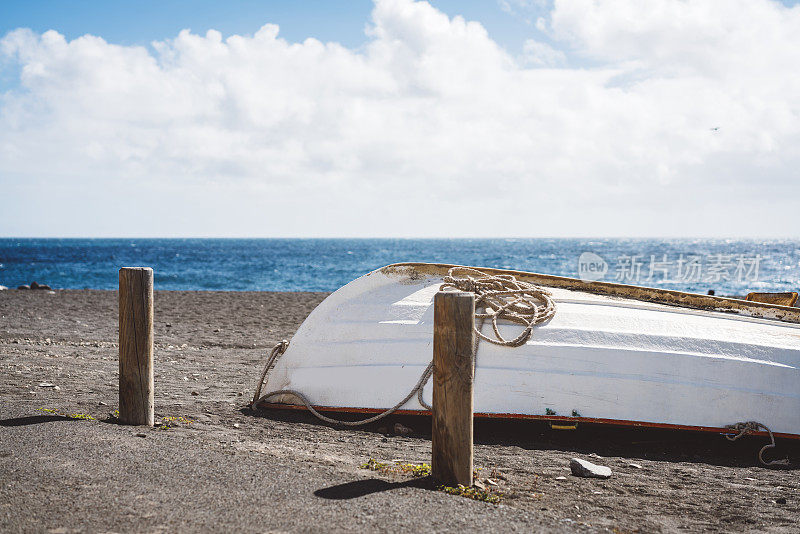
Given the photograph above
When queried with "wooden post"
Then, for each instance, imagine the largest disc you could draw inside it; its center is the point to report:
(453, 373)
(136, 345)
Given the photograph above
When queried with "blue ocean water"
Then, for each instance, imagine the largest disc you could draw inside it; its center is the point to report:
(727, 266)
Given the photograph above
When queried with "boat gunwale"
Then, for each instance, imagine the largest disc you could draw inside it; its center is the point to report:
(530, 417)
(668, 297)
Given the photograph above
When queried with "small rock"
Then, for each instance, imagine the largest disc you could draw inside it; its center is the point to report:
(169, 325)
(594, 455)
(751, 479)
(194, 393)
(586, 469)
(101, 403)
(141, 435)
(36, 285)
(561, 478)
(480, 485)
(402, 430)
(236, 425)
(46, 385)
(23, 287)
(780, 500)
(491, 482)
(635, 466)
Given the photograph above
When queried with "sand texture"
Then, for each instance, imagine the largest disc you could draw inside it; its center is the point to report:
(232, 469)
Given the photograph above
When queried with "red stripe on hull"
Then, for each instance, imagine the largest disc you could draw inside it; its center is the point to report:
(554, 418)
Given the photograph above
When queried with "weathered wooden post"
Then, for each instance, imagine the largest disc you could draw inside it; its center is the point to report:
(453, 373)
(136, 345)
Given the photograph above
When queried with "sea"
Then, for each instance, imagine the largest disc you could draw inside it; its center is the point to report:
(726, 266)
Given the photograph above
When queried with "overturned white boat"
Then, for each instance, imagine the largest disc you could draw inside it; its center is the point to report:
(610, 354)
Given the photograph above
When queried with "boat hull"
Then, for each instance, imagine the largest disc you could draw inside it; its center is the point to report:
(601, 359)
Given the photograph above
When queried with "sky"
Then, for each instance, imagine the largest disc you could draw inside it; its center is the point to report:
(396, 118)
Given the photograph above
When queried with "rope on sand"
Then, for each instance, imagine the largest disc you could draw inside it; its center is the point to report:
(748, 427)
(500, 296)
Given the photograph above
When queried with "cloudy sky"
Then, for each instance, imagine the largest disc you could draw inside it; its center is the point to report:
(400, 118)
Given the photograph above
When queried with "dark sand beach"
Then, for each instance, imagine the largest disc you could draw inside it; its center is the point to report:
(231, 469)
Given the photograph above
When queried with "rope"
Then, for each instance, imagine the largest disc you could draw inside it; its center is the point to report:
(500, 296)
(297, 394)
(748, 427)
(276, 352)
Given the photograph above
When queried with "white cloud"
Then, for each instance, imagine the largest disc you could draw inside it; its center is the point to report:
(431, 129)
(522, 8)
(541, 54)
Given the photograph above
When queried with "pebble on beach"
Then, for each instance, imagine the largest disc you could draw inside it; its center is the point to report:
(585, 469)
(35, 285)
(402, 430)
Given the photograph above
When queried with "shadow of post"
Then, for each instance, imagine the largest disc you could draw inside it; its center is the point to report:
(362, 488)
(33, 420)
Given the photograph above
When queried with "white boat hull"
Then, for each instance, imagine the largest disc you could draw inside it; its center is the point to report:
(601, 358)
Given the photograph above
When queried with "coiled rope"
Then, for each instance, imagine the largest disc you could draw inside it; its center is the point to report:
(748, 427)
(502, 296)
(498, 296)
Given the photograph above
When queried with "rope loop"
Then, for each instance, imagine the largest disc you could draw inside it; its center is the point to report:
(502, 296)
(276, 352)
(748, 427)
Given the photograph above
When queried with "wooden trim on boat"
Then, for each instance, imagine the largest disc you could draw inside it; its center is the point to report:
(645, 294)
(784, 298)
(556, 418)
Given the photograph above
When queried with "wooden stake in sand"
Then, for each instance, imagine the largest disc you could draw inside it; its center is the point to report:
(136, 345)
(453, 373)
